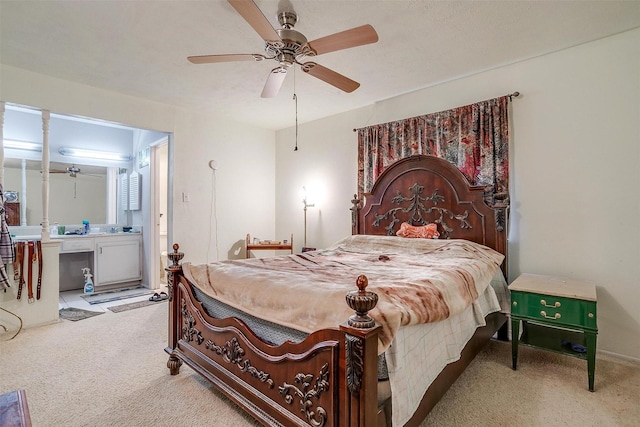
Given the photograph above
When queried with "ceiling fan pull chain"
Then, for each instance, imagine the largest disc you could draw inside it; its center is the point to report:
(295, 98)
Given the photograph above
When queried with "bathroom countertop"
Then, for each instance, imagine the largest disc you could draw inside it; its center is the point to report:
(74, 236)
(101, 234)
(27, 237)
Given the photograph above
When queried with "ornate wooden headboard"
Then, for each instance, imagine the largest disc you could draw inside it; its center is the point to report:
(425, 189)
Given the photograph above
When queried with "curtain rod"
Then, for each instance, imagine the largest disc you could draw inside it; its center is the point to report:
(511, 96)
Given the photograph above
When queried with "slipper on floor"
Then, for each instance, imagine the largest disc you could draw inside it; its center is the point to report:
(575, 347)
(159, 296)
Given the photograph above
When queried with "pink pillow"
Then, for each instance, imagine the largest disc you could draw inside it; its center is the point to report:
(429, 231)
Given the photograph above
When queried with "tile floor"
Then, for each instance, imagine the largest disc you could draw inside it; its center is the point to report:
(74, 299)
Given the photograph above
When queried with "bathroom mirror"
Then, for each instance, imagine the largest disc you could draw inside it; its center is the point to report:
(76, 192)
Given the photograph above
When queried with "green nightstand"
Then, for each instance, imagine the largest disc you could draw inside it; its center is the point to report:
(557, 314)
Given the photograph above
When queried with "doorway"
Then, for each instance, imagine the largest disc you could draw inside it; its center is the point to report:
(159, 159)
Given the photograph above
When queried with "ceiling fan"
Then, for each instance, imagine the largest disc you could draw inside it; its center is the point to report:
(72, 170)
(288, 47)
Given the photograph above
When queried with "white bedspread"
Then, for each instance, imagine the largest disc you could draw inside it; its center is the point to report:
(420, 352)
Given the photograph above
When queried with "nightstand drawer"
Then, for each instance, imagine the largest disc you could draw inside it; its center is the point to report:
(554, 310)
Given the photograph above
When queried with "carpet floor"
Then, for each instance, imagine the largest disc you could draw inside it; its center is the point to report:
(111, 371)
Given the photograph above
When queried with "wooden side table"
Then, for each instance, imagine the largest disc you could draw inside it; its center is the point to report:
(557, 315)
(288, 246)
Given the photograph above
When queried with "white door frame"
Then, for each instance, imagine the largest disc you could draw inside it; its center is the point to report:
(154, 237)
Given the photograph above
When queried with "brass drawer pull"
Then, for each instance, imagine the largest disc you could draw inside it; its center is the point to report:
(544, 314)
(555, 305)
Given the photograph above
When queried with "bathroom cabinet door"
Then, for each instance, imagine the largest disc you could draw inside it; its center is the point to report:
(118, 262)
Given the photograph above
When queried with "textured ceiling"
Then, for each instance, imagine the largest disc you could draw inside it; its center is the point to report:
(140, 47)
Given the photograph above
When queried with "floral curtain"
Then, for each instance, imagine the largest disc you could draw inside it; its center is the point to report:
(475, 138)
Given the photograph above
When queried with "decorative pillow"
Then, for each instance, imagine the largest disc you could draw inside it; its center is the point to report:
(429, 231)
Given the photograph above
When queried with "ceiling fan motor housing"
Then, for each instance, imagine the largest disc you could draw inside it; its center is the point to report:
(293, 47)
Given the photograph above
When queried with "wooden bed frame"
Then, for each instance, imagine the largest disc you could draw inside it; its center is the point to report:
(330, 379)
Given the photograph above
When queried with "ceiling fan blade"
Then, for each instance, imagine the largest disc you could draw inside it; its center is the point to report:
(208, 59)
(274, 82)
(330, 76)
(253, 15)
(357, 36)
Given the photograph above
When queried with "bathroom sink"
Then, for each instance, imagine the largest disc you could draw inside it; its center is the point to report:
(72, 236)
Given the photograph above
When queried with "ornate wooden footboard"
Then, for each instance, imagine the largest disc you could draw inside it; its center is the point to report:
(329, 379)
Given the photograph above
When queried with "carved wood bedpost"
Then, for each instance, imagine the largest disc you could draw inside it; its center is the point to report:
(502, 231)
(172, 282)
(355, 214)
(361, 347)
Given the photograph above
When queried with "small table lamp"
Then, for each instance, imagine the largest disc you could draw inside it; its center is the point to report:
(306, 205)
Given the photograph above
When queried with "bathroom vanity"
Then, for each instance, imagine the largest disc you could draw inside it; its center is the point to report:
(115, 259)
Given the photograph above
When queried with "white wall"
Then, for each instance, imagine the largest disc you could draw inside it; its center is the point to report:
(244, 185)
(326, 161)
(245, 180)
(574, 184)
(41, 311)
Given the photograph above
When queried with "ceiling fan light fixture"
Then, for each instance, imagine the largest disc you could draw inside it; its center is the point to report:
(93, 154)
(274, 82)
(22, 145)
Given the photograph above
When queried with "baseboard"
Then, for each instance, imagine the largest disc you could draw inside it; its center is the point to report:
(619, 357)
(37, 325)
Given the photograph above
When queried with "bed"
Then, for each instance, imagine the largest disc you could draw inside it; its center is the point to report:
(341, 366)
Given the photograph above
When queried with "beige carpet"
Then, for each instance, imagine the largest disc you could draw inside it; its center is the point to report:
(111, 370)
